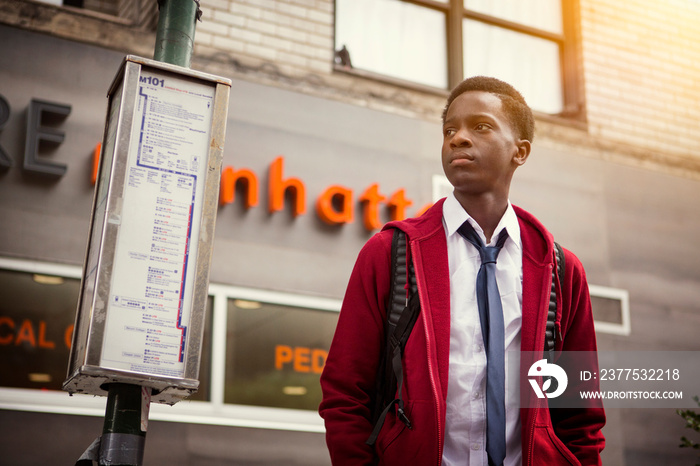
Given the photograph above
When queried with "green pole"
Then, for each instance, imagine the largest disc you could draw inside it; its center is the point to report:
(175, 34)
(124, 432)
(126, 416)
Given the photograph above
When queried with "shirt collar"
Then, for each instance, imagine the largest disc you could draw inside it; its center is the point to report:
(454, 216)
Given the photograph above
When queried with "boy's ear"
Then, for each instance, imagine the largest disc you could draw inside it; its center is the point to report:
(523, 153)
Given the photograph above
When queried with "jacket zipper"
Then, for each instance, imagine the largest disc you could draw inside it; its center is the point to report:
(431, 370)
(531, 440)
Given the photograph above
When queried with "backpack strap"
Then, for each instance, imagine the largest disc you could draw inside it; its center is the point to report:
(402, 313)
(550, 331)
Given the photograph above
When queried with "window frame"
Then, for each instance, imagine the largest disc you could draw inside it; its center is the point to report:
(455, 13)
(624, 328)
(212, 412)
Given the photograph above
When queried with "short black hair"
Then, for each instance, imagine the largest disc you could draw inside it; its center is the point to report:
(518, 112)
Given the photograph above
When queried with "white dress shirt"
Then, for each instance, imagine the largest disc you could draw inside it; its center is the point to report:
(465, 429)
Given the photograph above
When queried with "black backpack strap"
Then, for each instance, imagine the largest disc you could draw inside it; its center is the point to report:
(402, 313)
(550, 331)
(397, 298)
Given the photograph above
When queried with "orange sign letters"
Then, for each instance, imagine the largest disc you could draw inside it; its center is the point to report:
(301, 359)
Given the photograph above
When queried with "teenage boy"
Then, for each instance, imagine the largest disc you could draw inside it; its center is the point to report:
(461, 409)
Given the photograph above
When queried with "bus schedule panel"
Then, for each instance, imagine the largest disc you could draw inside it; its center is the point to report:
(145, 278)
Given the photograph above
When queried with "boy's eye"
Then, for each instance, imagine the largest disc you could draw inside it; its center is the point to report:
(449, 132)
(481, 126)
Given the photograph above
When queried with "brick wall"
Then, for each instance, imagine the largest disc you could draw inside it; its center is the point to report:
(295, 35)
(642, 73)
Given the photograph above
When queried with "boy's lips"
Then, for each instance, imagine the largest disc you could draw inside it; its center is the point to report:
(461, 156)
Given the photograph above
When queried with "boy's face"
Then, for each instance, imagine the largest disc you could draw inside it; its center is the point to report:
(480, 150)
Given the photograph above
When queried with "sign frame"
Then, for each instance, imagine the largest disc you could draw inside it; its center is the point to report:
(87, 371)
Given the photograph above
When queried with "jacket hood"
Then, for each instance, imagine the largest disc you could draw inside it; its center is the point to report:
(538, 242)
(417, 227)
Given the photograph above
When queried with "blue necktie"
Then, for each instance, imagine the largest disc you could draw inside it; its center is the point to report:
(492, 329)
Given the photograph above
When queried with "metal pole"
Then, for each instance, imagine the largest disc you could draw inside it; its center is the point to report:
(175, 34)
(124, 434)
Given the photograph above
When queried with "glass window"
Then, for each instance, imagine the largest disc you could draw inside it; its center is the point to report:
(527, 43)
(529, 63)
(37, 313)
(275, 354)
(393, 38)
(606, 309)
(540, 14)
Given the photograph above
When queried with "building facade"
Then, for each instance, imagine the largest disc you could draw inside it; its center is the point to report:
(334, 129)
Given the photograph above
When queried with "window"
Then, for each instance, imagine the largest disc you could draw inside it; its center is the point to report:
(276, 353)
(262, 352)
(527, 43)
(37, 314)
(37, 311)
(611, 310)
(394, 38)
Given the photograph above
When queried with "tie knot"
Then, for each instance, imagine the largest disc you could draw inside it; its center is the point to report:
(488, 254)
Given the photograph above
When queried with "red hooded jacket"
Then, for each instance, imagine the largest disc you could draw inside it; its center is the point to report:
(568, 437)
